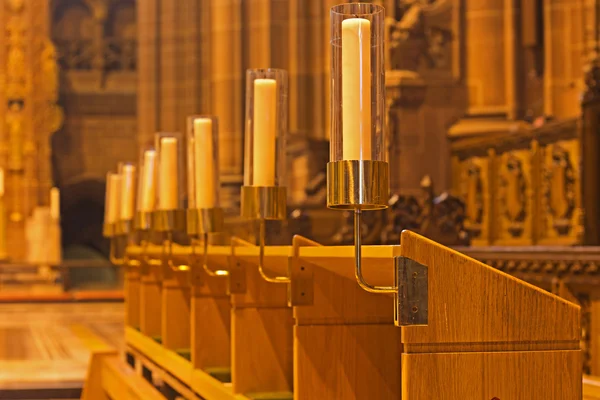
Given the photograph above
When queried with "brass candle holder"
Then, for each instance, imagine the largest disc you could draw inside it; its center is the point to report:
(143, 229)
(359, 185)
(201, 222)
(260, 204)
(263, 195)
(168, 222)
(357, 174)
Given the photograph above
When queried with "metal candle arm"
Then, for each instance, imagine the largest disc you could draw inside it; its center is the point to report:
(358, 258)
(209, 271)
(168, 244)
(261, 257)
(112, 254)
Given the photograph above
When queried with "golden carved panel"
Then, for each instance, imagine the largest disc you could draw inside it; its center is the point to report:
(514, 200)
(561, 194)
(474, 189)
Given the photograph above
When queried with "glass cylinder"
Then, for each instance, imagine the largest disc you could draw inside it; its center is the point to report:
(357, 82)
(147, 173)
(203, 162)
(113, 198)
(128, 172)
(266, 127)
(170, 190)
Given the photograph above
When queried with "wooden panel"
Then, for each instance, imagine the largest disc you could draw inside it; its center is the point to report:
(591, 388)
(120, 382)
(150, 304)
(132, 298)
(498, 375)
(175, 327)
(211, 327)
(347, 362)
(262, 349)
(258, 291)
(339, 300)
(470, 302)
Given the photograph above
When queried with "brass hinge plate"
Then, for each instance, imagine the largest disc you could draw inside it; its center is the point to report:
(410, 300)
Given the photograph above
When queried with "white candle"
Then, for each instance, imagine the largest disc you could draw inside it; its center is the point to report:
(265, 131)
(55, 204)
(147, 193)
(168, 195)
(356, 88)
(204, 163)
(113, 188)
(127, 191)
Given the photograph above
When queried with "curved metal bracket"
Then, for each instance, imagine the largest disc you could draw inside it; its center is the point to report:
(205, 266)
(114, 259)
(168, 245)
(261, 258)
(358, 259)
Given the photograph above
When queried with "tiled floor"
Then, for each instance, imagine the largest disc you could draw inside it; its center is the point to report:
(38, 348)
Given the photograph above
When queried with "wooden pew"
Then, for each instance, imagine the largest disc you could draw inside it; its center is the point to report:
(488, 335)
(342, 342)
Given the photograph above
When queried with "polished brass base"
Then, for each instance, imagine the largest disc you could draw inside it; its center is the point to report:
(142, 221)
(123, 227)
(108, 230)
(204, 220)
(358, 184)
(169, 220)
(264, 202)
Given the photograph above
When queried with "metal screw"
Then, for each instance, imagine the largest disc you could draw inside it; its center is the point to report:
(302, 268)
(415, 274)
(415, 309)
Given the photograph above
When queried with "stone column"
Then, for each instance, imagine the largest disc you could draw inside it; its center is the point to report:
(147, 70)
(227, 91)
(490, 36)
(564, 57)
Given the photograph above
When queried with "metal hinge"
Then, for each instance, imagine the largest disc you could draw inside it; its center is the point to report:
(410, 300)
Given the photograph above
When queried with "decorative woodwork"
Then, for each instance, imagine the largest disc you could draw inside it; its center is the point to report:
(522, 187)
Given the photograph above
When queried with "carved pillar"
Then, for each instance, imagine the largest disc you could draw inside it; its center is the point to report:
(590, 139)
(564, 57)
(99, 13)
(29, 113)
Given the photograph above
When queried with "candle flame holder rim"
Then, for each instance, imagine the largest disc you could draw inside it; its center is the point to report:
(123, 227)
(370, 9)
(358, 184)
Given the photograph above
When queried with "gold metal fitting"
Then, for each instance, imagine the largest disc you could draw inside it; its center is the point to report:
(358, 184)
(169, 220)
(108, 230)
(143, 220)
(204, 220)
(264, 202)
(123, 227)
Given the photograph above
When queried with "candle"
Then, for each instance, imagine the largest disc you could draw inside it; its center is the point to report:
(356, 88)
(265, 130)
(204, 163)
(127, 193)
(168, 197)
(55, 204)
(147, 193)
(113, 188)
